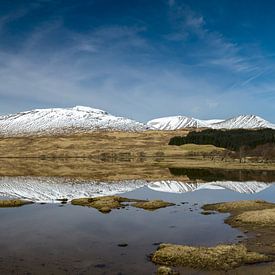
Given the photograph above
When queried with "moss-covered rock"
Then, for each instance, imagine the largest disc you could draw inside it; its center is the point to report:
(206, 213)
(107, 203)
(152, 205)
(104, 204)
(14, 203)
(220, 257)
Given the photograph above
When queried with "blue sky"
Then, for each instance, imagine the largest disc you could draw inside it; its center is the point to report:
(141, 59)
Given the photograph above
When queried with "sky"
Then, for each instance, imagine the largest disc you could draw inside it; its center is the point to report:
(138, 58)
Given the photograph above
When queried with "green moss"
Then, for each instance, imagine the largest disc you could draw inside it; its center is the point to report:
(152, 205)
(14, 203)
(221, 257)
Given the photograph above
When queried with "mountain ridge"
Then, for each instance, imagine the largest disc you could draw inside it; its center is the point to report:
(62, 120)
(80, 118)
(237, 122)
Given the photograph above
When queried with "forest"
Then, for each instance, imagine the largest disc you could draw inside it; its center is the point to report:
(238, 142)
(229, 139)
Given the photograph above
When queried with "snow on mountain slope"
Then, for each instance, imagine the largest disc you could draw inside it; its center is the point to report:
(245, 122)
(248, 187)
(180, 122)
(59, 120)
(44, 189)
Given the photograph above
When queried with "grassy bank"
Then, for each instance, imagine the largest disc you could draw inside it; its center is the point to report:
(111, 156)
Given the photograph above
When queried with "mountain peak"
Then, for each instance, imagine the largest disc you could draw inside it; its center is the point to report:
(245, 122)
(88, 109)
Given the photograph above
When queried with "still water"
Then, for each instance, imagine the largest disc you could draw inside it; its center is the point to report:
(53, 238)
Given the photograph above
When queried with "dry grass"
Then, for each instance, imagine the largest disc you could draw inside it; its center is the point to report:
(239, 206)
(221, 257)
(256, 218)
(103, 204)
(260, 217)
(165, 270)
(106, 203)
(13, 203)
(152, 205)
(98, 144)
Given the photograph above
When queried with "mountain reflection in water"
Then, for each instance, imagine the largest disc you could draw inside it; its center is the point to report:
(52, 189)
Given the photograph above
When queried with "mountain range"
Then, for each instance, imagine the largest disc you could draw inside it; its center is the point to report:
(80, 118)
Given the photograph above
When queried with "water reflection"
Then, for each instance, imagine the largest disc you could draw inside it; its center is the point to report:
(53, 189)
(48, 239)
(223, 174)
(249, 187)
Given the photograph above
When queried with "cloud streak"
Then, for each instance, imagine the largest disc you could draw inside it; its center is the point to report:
(120, 68)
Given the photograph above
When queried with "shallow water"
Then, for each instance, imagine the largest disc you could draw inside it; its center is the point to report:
(56, 238)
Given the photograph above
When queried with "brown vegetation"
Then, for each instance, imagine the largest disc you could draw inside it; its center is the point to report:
(255, 218)
(152, 205)
(220, 257)
(13, 203)
(97, 145)
(106, 203)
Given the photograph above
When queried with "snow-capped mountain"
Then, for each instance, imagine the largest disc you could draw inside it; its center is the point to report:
(79, 118)
(248, 187)
(245, 122)
(181, 122)
(59, 120)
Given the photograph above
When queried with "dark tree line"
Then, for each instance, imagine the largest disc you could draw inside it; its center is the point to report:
(235, 140)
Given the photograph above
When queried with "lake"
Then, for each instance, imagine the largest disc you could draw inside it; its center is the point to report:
(54, 237)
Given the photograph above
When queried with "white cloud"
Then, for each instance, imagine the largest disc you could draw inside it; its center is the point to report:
(117, 69)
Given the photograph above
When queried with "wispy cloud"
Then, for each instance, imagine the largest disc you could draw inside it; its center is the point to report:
(119, 68)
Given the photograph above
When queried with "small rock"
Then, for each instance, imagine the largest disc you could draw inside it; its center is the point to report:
(122, 244)
(208, 213)
(100, 265)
